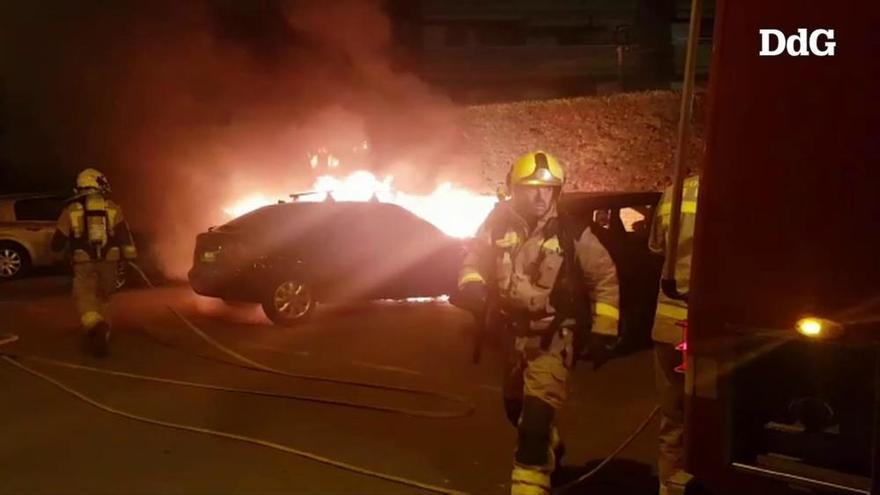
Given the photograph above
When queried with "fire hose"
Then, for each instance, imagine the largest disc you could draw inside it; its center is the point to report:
(620, 448)
(247, 363)
(231, 436)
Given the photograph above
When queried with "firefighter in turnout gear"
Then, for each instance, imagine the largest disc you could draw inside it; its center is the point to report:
(96, 237)
(670, 324)
(550, 285)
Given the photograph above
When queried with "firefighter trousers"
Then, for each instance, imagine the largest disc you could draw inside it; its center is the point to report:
(670, 389)
(535, 381)
(93, 284)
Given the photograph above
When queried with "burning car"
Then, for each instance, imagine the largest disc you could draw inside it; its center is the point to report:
(289, 256)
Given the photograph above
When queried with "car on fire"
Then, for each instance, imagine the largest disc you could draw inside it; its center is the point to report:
(288, 257)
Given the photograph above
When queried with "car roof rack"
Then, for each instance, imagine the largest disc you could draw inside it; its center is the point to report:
(296, 196)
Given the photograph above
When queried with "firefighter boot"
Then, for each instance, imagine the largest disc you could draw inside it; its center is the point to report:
(98, 339)
(678, 484)
(558, 448)
(533, 461)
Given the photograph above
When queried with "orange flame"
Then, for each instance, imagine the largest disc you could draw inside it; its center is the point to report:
(247, 204)
(456, 211)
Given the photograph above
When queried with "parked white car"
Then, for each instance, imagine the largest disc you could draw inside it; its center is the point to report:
(27, 224)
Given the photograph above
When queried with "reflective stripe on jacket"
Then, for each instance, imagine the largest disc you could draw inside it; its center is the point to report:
(670, 312)
(524, 263)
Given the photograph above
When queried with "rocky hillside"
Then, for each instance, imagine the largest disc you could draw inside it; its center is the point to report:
(619, 142)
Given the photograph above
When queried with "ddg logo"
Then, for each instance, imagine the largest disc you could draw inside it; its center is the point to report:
(802, 44)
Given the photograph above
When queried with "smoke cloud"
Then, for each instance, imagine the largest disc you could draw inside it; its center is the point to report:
(189, 105)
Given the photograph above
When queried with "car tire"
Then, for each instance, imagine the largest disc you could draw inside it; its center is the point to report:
(289, 302)
(15, 261)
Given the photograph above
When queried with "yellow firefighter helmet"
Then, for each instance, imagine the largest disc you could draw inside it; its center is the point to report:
(536, 169)
(92, 179)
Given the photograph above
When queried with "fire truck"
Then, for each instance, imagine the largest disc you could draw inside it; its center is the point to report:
(782, 367)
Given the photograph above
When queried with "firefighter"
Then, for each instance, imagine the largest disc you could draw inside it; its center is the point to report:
(96, 237)
(518, 264)
(668, 332)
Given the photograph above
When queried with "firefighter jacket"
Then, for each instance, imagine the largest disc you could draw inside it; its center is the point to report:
(672, 313)
(92, 228)
(522, 265)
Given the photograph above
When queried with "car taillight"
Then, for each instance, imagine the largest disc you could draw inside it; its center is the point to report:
(221, 249)
(207, 250)
(208, 256)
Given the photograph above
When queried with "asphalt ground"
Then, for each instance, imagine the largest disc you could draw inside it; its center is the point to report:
(53, 443)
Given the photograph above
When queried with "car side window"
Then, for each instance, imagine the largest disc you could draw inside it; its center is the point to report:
(635, 219)
(411, 227)
(38, 209)
(628, 219)
(602, 218)
(352, 226)
(381, 228)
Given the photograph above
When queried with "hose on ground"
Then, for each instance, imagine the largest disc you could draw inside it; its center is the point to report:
(245, 362)
(248, 363)
(230, 436)
(245, 391)
(253, 365)
(635, 434)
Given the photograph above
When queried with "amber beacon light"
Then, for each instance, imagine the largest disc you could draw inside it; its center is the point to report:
(818, 328)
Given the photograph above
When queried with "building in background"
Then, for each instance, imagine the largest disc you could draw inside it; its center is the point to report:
(490, 50)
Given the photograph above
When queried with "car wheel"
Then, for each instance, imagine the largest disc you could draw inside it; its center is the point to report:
(289, 302)
(14, 261)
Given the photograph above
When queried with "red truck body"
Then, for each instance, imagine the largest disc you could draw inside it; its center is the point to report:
(788, 222)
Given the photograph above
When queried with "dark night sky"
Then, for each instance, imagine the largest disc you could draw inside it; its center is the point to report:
(90, 81)
(107, 82)
(185, 105)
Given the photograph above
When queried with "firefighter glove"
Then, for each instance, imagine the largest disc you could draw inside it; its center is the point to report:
(600, 349)
(471, 297)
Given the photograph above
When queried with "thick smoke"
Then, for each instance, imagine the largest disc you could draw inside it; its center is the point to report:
(188, 105)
